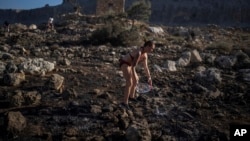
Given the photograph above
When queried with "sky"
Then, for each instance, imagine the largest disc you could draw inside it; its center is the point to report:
(27, 4)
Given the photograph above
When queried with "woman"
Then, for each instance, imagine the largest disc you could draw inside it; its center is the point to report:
(128, 64)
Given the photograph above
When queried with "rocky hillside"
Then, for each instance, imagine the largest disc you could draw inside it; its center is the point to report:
(56, 86)
(170, 12)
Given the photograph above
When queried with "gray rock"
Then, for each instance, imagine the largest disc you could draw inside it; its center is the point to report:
(210, 76)
(170, 65)
(184, 60)
(208, 58)
(226, 61)
(36, 66)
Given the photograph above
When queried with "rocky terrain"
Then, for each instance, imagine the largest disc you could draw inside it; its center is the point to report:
(57, 85)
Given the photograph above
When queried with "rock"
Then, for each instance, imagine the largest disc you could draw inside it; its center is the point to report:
(157, 68)
(171, 65)
(124, 123)
(69, 94)
(208, 58)
(55, 82)
(16, 122)
(132, 134)
(32, 98)
(17, 100)
(11, 68)
(208, 77)
(19, 27)
(7, 56)
(32, 27)
(64, 62)
(36, 66)
(195, 57)
(215, 94)
(156, 30)
(184, 60)
(95, 109)
(97, 91)
(13, 79)
(71, 132)
(108, 108)
(225, 62)
(139, 130)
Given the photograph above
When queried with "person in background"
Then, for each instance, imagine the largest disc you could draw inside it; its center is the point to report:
(128, 64)
(50, 23)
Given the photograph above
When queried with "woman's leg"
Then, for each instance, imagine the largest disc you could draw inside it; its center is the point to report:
(134, 83)
(128, 77)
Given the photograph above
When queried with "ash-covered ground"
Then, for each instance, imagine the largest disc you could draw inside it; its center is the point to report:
(57, 85)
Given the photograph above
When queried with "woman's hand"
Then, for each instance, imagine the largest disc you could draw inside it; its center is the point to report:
(150, 82)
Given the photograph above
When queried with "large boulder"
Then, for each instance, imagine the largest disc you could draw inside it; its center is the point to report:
(36, 66)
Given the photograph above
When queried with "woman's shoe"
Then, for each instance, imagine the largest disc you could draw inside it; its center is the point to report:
(124, 106)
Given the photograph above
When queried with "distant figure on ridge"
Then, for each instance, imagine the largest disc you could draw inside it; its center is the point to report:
(128, 64)
(50, 24)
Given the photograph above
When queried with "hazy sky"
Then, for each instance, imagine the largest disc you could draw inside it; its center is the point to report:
(27, 4)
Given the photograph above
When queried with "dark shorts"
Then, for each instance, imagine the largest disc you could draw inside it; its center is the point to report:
(121, 62)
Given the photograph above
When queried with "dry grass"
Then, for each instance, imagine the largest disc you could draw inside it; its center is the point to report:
(221, 46)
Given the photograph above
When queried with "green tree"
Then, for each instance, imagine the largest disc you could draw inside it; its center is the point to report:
(140, 10)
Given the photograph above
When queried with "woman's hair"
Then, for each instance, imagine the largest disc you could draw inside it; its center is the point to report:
(148, 43)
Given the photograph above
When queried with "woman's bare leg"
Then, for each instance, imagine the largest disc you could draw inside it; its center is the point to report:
(127, 75)
(134, 83)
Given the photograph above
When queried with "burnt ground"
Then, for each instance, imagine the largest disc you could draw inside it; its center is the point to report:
(87, 108)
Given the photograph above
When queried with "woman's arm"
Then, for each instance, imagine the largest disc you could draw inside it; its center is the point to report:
(145, 65)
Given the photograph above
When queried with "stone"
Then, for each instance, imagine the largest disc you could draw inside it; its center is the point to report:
(36, 66)
(171, 65)
(32, 98)
(17, 100)
(226, 61)
(13, 79)
(32, 27)
(95, 109)
(184, 60)
(195, 57)
(55, 82)
(132, 134)
(16, 122)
